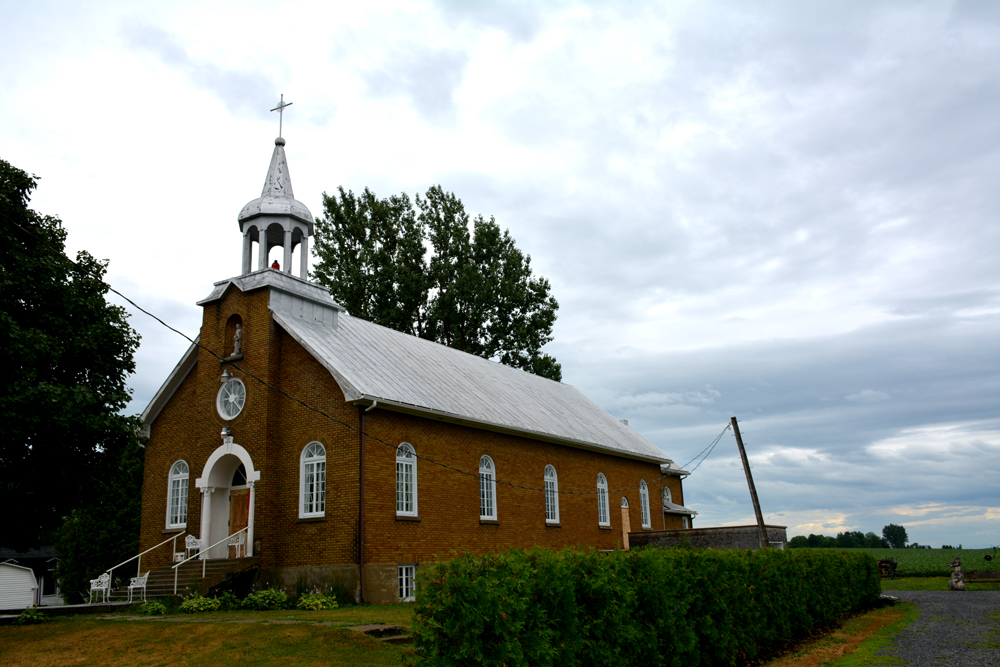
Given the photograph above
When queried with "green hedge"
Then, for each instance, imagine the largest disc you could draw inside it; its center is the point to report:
(645, 607)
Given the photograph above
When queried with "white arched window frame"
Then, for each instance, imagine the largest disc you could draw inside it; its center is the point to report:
(312, 481)
(487, 489)
(406, 480)
(644, 503)
(603, 517)
(667, 497)
(177, 495)
(551, 495)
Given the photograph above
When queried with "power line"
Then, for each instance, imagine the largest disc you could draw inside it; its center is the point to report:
(270, 386)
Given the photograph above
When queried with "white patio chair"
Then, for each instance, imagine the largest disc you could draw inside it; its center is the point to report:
(238, 540)
(192, 545)
(100, 585)
(138, 582)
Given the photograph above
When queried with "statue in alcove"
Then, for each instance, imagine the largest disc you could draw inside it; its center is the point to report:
(238, 341)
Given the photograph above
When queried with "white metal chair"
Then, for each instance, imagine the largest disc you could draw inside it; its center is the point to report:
(238, 540)
(138, 582)
(100, 585)
(192, 545)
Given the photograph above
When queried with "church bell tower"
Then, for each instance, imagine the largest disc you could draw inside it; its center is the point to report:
(276, 218)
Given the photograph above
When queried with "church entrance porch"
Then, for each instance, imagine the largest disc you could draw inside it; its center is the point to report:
(227, 500)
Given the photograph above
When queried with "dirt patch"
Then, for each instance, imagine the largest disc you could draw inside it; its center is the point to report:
(834, 643)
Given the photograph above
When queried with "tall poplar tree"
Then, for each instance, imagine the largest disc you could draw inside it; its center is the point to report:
(426, 269)
(67, 353)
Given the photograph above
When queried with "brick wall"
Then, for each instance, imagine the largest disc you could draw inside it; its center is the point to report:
(275, 429)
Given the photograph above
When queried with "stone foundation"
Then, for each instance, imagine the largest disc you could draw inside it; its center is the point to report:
(724, 537)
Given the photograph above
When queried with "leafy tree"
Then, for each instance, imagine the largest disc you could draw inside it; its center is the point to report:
(475, 292)
(68, 353)
(798, 542)
(873, 541)
(895, 536)
(852, 539)
(104, 528)
(821, 541)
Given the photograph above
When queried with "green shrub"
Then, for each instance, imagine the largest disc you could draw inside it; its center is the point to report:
(266, 600)
(198, 603)
(643, 607)
(152, 608)
(228, 602)
(30, 616)
(316, 602)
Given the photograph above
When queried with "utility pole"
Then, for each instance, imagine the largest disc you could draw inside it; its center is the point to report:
(761, 530)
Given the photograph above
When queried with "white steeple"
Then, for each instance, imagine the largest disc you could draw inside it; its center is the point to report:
(276, 218)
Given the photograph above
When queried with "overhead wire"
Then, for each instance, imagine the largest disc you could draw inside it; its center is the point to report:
(318, 411)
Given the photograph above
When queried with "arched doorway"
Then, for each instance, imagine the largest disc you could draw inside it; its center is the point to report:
(227, 497)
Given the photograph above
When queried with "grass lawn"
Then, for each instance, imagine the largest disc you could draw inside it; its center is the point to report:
(929, 584)
(258, 638)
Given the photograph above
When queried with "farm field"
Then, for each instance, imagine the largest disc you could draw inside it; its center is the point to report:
(934, 562)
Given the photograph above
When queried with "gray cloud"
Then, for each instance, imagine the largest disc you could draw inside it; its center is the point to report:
(245, 93)
(428, 78)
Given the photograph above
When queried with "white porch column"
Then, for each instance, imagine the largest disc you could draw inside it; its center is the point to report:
(249, 549)
(304, 260)
(247, 245)
(206, 519)
(288, 251)
(262, 249)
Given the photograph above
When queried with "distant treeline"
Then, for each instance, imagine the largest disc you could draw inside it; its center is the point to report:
(852, 539)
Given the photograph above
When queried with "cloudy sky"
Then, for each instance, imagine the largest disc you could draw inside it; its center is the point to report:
(782, 211)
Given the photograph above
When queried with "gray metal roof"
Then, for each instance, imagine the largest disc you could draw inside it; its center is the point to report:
(674, 508)
(403, 372)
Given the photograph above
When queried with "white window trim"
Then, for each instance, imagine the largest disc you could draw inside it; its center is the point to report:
(488, 485)
(603, 511)
(624, 502)
(552, 481)
(412, 463)
(302, 482)
(667, 496)
(644, 503)
(406, 578)
(185, 479)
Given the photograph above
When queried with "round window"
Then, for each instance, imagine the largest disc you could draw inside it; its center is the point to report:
(232, 396)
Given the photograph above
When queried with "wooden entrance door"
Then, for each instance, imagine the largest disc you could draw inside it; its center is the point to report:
(239, 515)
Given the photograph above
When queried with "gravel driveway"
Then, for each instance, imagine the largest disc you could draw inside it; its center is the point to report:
(955, 629)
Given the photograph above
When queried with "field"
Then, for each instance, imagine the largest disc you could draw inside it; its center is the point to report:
(934, 562)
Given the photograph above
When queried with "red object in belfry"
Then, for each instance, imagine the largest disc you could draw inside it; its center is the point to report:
(274, 265)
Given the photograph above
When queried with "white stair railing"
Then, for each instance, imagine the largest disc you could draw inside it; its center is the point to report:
(203, 555)
(138, 567)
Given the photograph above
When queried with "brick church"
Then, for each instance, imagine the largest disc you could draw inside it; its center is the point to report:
(338, 450)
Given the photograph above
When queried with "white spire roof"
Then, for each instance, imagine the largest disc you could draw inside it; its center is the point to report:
(277, 197)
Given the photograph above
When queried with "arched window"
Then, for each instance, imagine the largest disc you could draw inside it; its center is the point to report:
(603, 518)
(666, 495)
(644, 503)
(177, 496)
(624, 502)
(487, 489)
(313, 480)
(551, 495)
(406, 480)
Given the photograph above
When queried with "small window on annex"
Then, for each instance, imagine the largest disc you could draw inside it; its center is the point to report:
(406, 480)
(487, 489)
(551, 495)
(177, 495)
(603, 517)
(644, 503)
(313, 481)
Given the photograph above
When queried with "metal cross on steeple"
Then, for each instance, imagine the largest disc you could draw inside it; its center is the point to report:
(281, 111)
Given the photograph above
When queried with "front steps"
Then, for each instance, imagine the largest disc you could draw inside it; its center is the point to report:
(189, 580)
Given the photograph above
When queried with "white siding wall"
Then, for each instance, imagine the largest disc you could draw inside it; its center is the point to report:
(17, 587)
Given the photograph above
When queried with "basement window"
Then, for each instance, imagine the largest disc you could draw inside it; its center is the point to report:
(407, 587)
